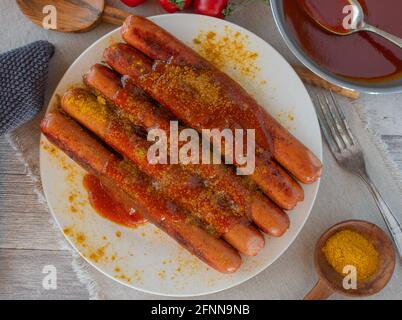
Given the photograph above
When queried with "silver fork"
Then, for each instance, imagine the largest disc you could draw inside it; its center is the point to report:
(348, 153)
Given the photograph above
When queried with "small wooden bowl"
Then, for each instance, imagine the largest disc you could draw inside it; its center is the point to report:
(331, 281)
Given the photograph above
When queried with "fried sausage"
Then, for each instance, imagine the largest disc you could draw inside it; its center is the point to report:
(158, 44)
(92, 156)
(271, 178)
(141, 111)
(185, 189)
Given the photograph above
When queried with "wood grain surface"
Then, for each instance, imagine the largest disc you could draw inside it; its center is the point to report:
(72, 16)
(28, 240)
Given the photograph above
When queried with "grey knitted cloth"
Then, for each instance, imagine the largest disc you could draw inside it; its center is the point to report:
(23, 75)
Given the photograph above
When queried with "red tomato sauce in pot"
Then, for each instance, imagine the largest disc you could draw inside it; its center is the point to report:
(361, 56)
(328, 13)
(107, 204)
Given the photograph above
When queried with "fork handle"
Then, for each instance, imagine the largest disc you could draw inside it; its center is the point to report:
(391, 221)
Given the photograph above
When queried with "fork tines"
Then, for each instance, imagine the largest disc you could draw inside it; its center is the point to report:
(333, 124)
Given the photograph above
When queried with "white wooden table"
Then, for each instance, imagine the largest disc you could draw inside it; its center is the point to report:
(28, 242)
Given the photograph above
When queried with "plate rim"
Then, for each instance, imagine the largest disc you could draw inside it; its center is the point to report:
(234, 284)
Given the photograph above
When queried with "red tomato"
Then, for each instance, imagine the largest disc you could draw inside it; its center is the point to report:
(213, 8)
(174, 5)
(132, 3)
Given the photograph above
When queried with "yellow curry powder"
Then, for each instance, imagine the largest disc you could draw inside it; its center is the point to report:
(228, 50)
(351, 248)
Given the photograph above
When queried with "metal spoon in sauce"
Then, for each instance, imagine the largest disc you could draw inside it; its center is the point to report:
(334, 24)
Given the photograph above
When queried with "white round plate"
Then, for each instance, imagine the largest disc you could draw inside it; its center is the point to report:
(145, 258)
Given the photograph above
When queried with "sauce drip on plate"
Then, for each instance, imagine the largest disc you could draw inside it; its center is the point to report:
(361, 56)
(107, 204)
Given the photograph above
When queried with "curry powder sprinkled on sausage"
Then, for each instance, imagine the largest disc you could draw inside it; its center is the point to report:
(87, 104)
(192, 86)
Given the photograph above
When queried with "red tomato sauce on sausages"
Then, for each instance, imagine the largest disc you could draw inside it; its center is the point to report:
(362, 56)
(107, 206)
